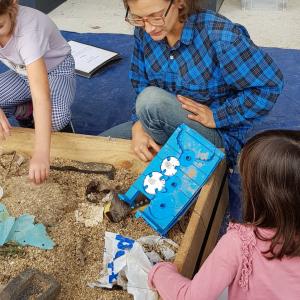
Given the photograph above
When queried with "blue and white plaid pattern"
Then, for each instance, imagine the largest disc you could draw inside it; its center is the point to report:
(14, 90)
(215, 63)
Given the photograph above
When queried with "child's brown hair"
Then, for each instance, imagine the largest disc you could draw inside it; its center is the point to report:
(189, 7)
(270, 172)
(9, 7)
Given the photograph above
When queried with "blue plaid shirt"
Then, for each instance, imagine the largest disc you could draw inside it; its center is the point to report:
(215, 63)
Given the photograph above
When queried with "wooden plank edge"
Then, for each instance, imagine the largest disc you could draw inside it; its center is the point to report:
(80, 147)
(216, 225)
(194, 236)
(212, 219)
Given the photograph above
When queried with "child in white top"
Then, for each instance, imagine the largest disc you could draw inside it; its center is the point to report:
(41, 70)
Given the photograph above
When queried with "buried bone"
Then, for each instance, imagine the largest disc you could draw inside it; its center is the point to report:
(80, 251)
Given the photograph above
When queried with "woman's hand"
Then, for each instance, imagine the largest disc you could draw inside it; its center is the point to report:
(4, 126)
(200, 113)
(39, 168)
(143, 144)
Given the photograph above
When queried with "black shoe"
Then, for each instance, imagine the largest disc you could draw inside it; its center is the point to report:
(68, 128)
(24, 114)
(27, 123)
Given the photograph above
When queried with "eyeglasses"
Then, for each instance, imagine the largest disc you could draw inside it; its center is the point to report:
(154, 21)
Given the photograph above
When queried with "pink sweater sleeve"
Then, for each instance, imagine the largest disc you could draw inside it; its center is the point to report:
(217, 273)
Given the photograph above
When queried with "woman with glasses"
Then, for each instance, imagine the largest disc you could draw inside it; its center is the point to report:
(196, 67)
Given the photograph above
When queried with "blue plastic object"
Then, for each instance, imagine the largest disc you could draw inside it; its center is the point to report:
(174, 177)
(23, 231)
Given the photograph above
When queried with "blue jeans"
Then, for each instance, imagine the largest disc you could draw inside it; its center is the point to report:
(160, 114)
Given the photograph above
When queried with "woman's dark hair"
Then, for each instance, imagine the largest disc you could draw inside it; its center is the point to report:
(189, 8)
(270, 172)
(9, 7)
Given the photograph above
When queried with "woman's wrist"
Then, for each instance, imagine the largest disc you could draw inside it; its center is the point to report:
(137, 128)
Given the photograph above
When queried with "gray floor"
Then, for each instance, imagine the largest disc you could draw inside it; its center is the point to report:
(269, 28)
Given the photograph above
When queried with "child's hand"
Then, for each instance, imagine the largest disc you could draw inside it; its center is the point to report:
(39, 168)
(4, 126)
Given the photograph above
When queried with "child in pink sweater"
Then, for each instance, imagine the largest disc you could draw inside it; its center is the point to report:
(259, 259)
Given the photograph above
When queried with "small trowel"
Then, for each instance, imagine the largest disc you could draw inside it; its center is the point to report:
(117, 210)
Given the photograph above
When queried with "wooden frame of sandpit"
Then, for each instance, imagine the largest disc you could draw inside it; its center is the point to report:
(203, 228)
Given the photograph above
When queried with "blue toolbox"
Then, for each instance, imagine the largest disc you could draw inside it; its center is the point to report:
(174, 177)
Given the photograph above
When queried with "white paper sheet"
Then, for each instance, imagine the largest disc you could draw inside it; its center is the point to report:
(87, 58)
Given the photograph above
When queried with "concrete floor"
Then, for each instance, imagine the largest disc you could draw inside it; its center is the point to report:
(105, 16)
(269, 28)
